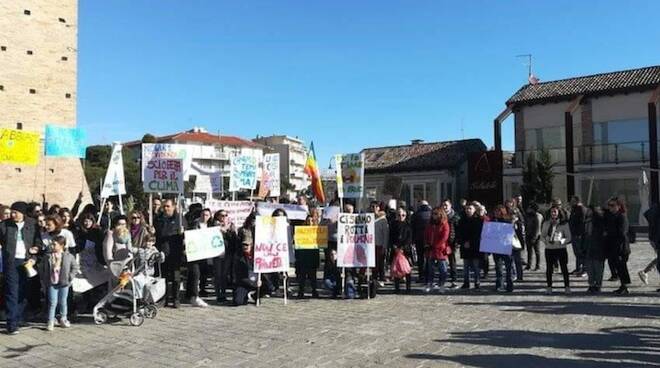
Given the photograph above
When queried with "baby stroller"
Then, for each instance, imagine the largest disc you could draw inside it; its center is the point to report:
(137, 291)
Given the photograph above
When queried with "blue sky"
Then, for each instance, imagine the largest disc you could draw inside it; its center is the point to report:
(345, 74)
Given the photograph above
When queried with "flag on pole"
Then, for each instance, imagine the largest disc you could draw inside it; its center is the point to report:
(312, 169)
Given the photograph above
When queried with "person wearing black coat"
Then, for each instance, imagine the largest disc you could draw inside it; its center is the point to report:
(617, 248)
(169, 240)
(420, 220)
(223, 265)
(594, 260)
(401, 241)
(307, 261)
(468, 237)
(246, 281)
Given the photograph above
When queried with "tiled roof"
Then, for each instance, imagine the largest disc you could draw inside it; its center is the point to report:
(203, 138)
(420, 156)
(591, 85)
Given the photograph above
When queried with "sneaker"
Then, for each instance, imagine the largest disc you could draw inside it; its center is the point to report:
(644, 277)
(198, 302)
(548, 291)
(12, 332)
(50, 326)
(427, 290)
(251, 296)
(567, 290)
(583, 274)
(381, 283)
(64, 323)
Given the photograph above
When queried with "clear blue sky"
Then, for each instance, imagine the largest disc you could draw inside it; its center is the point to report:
(345, 74)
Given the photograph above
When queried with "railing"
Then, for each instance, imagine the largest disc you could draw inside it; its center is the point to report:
(592, 154)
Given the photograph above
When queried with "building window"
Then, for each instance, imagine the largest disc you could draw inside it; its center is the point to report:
(619, 141)
(33, 91)
(2, 88)
(19, 126)
(64, 58)
(27, 12)
(68, 95)
(62, 20)
(3, 48)
(29, 52)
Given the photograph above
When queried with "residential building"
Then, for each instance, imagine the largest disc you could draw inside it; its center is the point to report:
(600, 130)
(38, 54)
(293, 155)
(419, 171)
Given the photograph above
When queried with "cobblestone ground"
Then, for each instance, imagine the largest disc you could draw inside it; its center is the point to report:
(462, 328)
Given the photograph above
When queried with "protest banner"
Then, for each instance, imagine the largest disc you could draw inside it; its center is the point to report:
(204, 243)
(331, 213)
(243, 173)
(211, 183)
(496, 238)
(293, 211)
(163, 176)
(92, 273)
(350, 175)
(356, 240)
(271, 244)
(65, 142)
(311, 237)
(271, 174)
(237, 211)
(114, 183)
(152, 151)
(19, 147)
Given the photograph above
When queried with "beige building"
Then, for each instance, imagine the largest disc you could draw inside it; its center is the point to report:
(293, 156)
(38, 56)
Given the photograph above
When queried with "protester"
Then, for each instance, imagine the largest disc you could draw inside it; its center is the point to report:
(518, 237)
(533, 223)
(222, 265)
(194, 268)
(652, 216)
(117, 244)
(307, 260)
(57, 270)
(54, 227)
(468, 236)
(576, 222)
(452, 219)
(436, 238)
(381, 240)
(169, 240)
(401, 239)
(594, 246)
(108, 216)
(616, 241)
(484, 262)
(5, 213)
(556, 235)
(139, 229)
(420, 221)
(332, 277)
(246, 280)
(89, 235)
(503, 263)
(67, 219)
(20, 241)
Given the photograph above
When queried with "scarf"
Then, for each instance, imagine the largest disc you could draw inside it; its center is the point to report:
(135, 231)
(55, 267)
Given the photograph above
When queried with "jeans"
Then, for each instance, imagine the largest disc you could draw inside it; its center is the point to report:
(380, 263)
(534, 249)
(332, 285)
(431, 266)
(595, 269)
(620, 262)
(15, 283)
(553, 256)
(471, 264)
(57, 296)
(579, 252)
(517, 261)
(506, 262)
(220, 273)
(192, 282)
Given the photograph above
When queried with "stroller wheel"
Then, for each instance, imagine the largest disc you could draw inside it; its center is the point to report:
(100, 317)
(150, 311)
(136, 319)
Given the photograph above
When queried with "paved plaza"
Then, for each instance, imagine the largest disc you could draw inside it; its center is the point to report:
(461, 328)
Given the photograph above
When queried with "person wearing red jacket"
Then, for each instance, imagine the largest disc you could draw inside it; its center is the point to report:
(437, 249)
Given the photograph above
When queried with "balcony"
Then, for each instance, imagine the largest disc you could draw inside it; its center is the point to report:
(593, 154)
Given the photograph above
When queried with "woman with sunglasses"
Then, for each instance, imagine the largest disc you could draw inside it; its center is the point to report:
(503, 263)
(617, 247)
(140, 230)
(401, 239)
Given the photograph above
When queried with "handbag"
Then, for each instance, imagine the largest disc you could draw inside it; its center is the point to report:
(413, 251)
(515, 243)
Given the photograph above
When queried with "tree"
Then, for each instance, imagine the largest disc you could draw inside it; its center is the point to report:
(537, 178)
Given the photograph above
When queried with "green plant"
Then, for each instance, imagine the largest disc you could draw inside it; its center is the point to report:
(538, 177)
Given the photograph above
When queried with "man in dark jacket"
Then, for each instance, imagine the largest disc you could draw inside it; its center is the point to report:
(169, 240)
(420, 220)
(453, 218)
(20, 241)
(223, 264)
(576, 223)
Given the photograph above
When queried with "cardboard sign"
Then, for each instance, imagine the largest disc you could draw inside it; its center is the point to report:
(311, 237)
(243, 173)
(356, 242)
(65, 142)
(271, 244)
(152, 151)
(19, 147)
(293, 211)
(497, 238)
(237, 211)
(350, 175)
(163, 176)
(114, 183)
(204, 243)
(271, 174)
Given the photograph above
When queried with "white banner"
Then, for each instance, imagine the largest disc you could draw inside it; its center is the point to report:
(293, 211)
(204, 243)
(271, 174)
(237, 211)
(350, 175)
(356, 240)
(114, 183)
(271, 244)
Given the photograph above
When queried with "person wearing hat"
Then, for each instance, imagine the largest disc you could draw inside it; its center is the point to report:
(20, 241)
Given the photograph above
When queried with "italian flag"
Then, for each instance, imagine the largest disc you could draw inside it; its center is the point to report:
(312, 169)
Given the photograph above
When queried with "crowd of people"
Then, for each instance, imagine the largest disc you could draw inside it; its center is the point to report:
(427, 240)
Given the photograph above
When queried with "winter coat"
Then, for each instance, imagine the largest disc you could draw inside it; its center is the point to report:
(401, 237)
(577, 219)
(420, 221)
(94, 236)
(469, 234)
(244, 275)
(453, 220)
(68, 270)
(616, 235)
(652, 216)
(382, 230)
(8, 238)
(436, 240)
(595, 239)
(169, 238)
(533, 224)
(555, 235)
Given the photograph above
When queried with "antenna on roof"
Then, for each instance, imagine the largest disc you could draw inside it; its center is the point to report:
(531, 78)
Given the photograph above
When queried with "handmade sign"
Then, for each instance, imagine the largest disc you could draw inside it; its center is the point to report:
(356, 240)
(350, 175)
(243, 173)
(271, 244)
(311, 237)
(163, 176)
(152, 151)
(497, 238)
(19, 147)
(204, 243)
(271, 174)
(293, 211)
(237, 211)
(114, 183)
(64, 142)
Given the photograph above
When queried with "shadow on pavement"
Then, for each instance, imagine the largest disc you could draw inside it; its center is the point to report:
(580, 307)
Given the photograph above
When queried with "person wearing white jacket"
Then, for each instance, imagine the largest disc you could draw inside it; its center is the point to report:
(555, 235)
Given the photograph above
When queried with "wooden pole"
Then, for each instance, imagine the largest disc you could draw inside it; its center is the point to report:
(286, 291)
(258, 288)
(98, 220)
(121, 206)
(151, 209)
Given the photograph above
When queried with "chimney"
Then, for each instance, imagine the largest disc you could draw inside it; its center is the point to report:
(416, 141)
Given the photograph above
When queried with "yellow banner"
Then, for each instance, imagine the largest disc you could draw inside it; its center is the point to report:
(19, 147)
(311, 237)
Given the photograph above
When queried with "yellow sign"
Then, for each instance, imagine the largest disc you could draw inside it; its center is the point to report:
(311, 237)
(19, 147)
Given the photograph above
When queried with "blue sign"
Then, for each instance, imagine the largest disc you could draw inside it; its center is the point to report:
(65, 142)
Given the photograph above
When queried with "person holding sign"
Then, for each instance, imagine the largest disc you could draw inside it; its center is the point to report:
(307, 261)
(437, 249)
(502, 260)
(556, 234)
(222, 265)
(468, 236)
(169, 240)
(194, 267)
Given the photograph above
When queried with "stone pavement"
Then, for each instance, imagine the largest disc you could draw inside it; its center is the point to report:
(461, 328)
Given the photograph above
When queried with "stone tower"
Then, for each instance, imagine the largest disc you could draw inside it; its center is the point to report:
(38, 57)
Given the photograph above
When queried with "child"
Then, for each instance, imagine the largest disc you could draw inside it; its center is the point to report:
(58, 268)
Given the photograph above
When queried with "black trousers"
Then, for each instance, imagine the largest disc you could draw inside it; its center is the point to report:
(553, 256)
(397, 281)
(620, 263)
(533, 250)
(220, 276)
(192, 282)
(172, 272)
(421, 262)
(452, 264)
(303, 276)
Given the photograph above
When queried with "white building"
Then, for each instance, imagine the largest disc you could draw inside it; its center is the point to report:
(293, 156)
